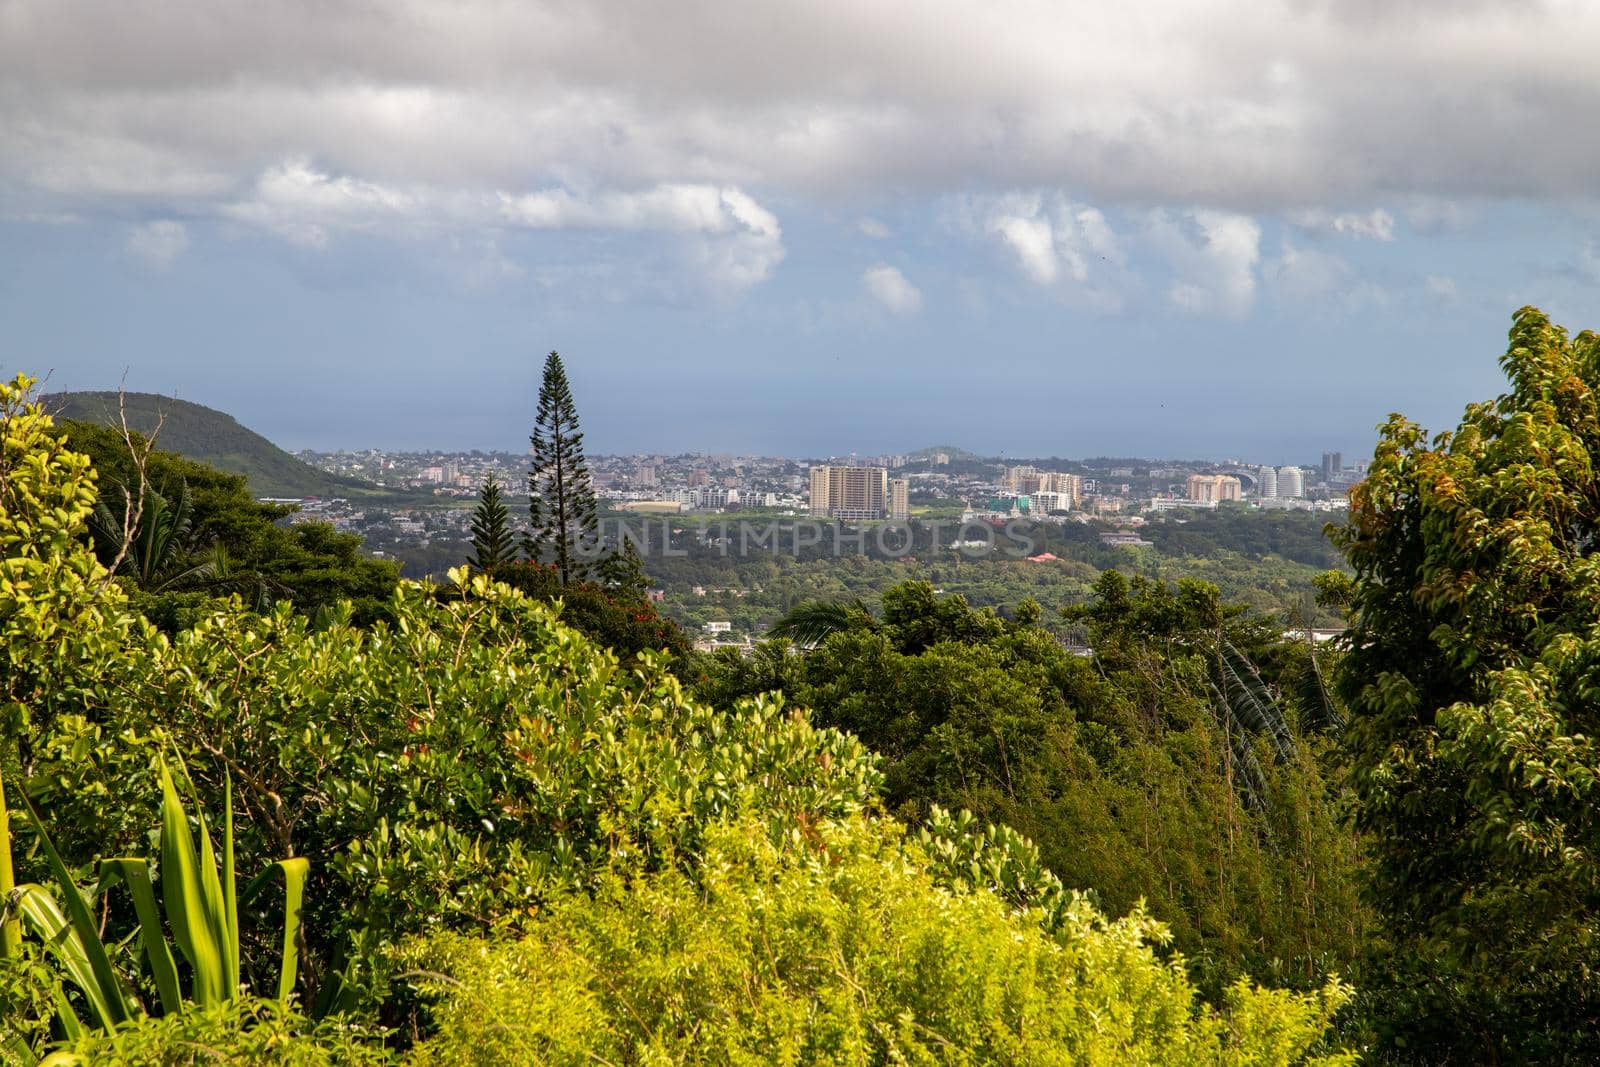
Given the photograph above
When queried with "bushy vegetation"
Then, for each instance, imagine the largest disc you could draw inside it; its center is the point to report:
(1140, 773)
(1471, 682)
(226, 541)
(470, 767)
(838, 948)
(907, 829)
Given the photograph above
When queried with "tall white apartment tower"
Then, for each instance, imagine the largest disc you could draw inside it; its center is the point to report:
(899, 499)
(1267, 483)
(1291, 482)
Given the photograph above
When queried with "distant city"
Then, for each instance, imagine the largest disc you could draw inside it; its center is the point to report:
(1120, 492)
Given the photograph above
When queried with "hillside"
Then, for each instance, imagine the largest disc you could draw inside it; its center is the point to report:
(213, 437)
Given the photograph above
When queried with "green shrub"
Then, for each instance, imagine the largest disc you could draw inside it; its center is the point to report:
(836, 946)
(1119, 768)
(246, 1031)
(620, 618)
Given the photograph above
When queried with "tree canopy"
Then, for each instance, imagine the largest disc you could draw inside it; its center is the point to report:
(1474, 650)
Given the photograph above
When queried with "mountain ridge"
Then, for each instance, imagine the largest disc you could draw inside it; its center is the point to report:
(209, 436)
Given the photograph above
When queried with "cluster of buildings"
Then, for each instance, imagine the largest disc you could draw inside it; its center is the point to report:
(1269, 487)
(871, 488)
(1046, 491)
(859, 494)
(1213, 488)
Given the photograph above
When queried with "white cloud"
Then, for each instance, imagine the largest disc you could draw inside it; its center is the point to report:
(1032, 239)
(1374, 225)
(872, 228)
(158, 243)
(891, 289)
(722, 232)
(1056, 242)
(1212, 255)
(1443, 288)
(1306, 274)
(302, 204)
(1248, 105)
(732, 239)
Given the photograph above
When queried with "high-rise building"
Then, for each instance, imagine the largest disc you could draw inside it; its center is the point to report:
(899, 499)
(849, 492)
(698, 477)
(1025, 481)
(1291, 483)
(1021, 479)
(1267, 483)
(1070, 485)
(1213, 487)
(644, 474)
(1332, 465)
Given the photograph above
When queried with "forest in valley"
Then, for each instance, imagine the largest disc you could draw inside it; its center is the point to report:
(263, 801)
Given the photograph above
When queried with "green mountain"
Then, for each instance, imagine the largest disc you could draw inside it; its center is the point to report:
(212, 437)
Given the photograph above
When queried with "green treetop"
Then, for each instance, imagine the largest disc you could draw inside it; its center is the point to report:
(1471, 680)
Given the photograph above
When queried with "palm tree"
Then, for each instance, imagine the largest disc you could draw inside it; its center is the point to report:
(810, 623)
(158, 553)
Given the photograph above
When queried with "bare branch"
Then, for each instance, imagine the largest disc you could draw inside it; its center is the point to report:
(139, 454)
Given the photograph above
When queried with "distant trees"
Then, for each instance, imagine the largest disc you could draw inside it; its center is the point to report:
(202, 533)
(493, 544)
(1471, 679)
(601, 593)
(561, 499)
(1160, 770)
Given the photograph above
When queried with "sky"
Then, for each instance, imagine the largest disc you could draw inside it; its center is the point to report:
(1196, 228)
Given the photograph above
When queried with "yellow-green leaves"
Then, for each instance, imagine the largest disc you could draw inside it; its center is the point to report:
(837, 949)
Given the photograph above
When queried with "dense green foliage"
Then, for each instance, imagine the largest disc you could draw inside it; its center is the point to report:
(618, 617)
(471, 766)
(1474, 722)
(210, 437)
(246, 1030)
(231, 541)
(841, 951)
(1135, 771)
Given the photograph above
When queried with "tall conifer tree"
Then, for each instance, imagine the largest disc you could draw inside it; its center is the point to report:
(493, 545)
(562, 504)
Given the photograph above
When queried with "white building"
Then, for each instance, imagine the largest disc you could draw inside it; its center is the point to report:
(1291, 483)
(1267, 483)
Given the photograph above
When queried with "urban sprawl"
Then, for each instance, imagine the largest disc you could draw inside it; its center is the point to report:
(1120, 493)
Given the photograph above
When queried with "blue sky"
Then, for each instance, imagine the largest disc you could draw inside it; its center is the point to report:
(1208, 229)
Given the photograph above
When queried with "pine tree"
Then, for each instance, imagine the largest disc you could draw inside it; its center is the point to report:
(492, 543)
(623, 570)
(562, 504)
